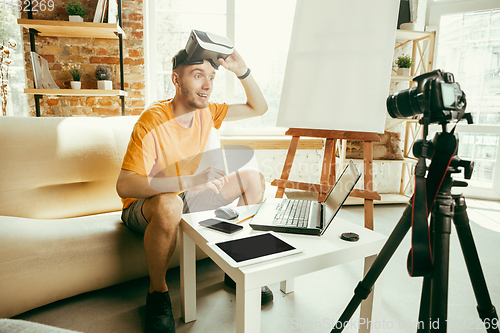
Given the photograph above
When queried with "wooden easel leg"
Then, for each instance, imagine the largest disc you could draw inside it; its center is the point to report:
(368, 182)
(328, 164)
(333, 165)
(288, 164)
(373, 301)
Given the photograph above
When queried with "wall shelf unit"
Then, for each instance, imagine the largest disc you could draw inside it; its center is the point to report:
(422, 48)
(76, 92)
(66, 29)
(48, 28)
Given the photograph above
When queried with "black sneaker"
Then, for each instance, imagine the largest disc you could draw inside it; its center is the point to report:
(266, 295)
(159, 317)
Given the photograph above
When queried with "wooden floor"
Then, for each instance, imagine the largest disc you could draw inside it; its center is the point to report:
(318, 300)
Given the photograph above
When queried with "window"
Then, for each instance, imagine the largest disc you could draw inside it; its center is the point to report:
(469, 47)
(260, 30)
(17, 104)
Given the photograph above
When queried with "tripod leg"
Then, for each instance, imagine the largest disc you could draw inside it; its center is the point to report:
(485, 308)
(364, 287)
(440, 267)
(425, 298)
(425, 304)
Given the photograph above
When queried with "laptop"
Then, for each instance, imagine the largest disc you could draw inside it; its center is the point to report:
(306, 216)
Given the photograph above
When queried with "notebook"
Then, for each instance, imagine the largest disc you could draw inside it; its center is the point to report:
(306, 216)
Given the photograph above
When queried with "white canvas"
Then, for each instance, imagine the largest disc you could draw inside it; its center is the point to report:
(339, 65)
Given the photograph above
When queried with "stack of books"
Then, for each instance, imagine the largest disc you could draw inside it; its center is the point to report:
(41, 73)
(112, 9)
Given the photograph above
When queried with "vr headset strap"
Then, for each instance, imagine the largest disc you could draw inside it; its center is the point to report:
(426, 190)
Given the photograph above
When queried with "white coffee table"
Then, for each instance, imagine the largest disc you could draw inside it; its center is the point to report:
(319, 253)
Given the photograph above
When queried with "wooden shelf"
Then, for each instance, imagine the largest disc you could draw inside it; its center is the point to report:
(76, 92)
(404, 160)
(49, 28)
(412, 35)
(267, 142)
(401, 78)
(385, 198)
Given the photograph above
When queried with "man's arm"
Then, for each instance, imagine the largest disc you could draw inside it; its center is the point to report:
(133, 185)
(256, 104)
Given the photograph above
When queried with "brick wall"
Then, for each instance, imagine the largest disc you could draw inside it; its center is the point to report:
(90, 53)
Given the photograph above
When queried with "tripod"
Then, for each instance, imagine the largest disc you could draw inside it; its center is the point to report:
(434, 298)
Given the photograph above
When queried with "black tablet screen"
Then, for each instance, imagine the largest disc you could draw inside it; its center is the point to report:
(254, 247)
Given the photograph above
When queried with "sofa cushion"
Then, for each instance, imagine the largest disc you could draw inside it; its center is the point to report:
(61, 167)
(42, 261)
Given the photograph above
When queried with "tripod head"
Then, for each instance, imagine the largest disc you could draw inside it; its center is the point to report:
(426, 149)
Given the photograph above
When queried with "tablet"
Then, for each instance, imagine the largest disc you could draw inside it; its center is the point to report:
(253, 249)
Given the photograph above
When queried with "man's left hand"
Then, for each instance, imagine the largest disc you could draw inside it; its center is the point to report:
(234, 63)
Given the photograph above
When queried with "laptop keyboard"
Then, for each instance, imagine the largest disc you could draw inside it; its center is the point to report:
(293, 213)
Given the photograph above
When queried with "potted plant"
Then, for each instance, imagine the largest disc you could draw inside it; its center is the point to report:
(404, 64)
(76, 72)
(103, 76)
(76, 11)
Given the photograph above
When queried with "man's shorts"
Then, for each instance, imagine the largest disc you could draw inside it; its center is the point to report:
(193, 202)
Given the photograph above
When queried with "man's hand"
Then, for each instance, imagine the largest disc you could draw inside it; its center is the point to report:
(234, 63)
(211, 178)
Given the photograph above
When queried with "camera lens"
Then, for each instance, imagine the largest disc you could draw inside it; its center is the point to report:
(403, 104)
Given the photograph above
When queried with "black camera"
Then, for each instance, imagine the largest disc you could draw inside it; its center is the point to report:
(436, 95)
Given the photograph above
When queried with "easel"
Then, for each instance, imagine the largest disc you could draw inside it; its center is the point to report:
(328, 173)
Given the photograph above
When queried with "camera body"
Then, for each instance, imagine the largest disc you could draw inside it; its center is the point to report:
(436, 95)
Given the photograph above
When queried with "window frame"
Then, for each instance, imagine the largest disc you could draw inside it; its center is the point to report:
(230, 81)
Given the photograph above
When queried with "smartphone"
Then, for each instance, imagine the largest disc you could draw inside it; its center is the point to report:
(223, 226)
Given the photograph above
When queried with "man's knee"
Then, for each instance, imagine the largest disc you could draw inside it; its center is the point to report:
(254, 179)
(164, 207)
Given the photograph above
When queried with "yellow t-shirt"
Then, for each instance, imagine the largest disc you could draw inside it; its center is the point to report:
(160, 147)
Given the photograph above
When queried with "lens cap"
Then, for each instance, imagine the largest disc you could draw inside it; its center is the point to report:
(349, 236)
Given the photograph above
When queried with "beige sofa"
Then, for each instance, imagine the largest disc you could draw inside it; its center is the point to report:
(60, 228)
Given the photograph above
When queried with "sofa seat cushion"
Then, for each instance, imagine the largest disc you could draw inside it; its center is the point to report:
(42, 261)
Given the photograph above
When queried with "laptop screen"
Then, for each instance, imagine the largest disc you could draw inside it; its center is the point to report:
(339, 193)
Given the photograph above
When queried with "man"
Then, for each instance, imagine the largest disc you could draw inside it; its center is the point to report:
(159, 179)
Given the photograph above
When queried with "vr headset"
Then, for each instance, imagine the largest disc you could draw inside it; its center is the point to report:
(204, 46)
